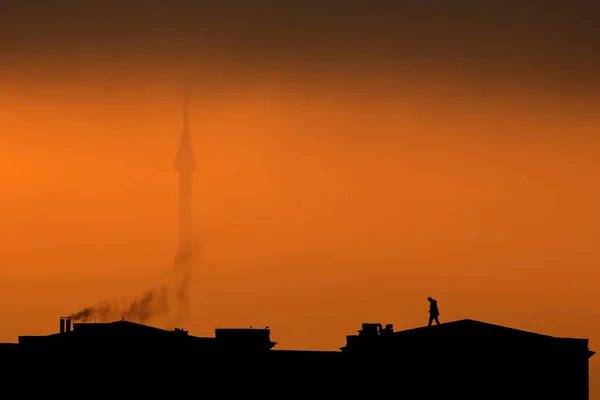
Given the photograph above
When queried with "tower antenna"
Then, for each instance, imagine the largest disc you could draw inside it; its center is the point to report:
(186, 108)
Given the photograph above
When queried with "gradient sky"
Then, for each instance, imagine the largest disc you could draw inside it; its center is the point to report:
(353, 159)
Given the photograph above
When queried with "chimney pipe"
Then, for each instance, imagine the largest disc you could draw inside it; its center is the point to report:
(62, 325)
(67, 324)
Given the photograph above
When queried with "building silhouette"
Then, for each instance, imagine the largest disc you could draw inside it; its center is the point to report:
(463, 359)
(468, 354)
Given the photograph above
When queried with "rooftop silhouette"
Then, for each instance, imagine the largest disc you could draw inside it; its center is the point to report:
(466, 358)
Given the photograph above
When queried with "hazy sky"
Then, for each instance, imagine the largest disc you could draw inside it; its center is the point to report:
(353, 159)
(550, 43)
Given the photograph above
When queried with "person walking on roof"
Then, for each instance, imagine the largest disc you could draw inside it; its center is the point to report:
(434, 312)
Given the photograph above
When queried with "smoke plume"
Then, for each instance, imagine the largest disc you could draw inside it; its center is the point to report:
(156, 302)
(153, 302)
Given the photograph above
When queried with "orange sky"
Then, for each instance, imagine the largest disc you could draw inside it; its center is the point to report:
(319, 205)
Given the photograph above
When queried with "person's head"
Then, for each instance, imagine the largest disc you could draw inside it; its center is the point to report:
(429, 299)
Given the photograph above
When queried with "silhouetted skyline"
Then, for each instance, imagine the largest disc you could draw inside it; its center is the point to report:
(353, 158)
(460, 358)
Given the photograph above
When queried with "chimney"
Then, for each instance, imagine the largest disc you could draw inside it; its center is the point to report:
(62, 325)
(67, 324)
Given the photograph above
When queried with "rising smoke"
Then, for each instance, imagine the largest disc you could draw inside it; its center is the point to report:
(156, 302)
(153, 302)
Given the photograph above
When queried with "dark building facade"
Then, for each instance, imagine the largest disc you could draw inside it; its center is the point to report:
(114, 339)
(472, 358)
(463, 359)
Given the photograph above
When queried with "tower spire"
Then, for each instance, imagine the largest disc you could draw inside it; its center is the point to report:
(186, 108)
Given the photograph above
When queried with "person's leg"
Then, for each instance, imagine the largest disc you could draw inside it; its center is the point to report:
(430, 320)
(437, 320)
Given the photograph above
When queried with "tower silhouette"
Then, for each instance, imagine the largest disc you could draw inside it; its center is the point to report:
(185, 164)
